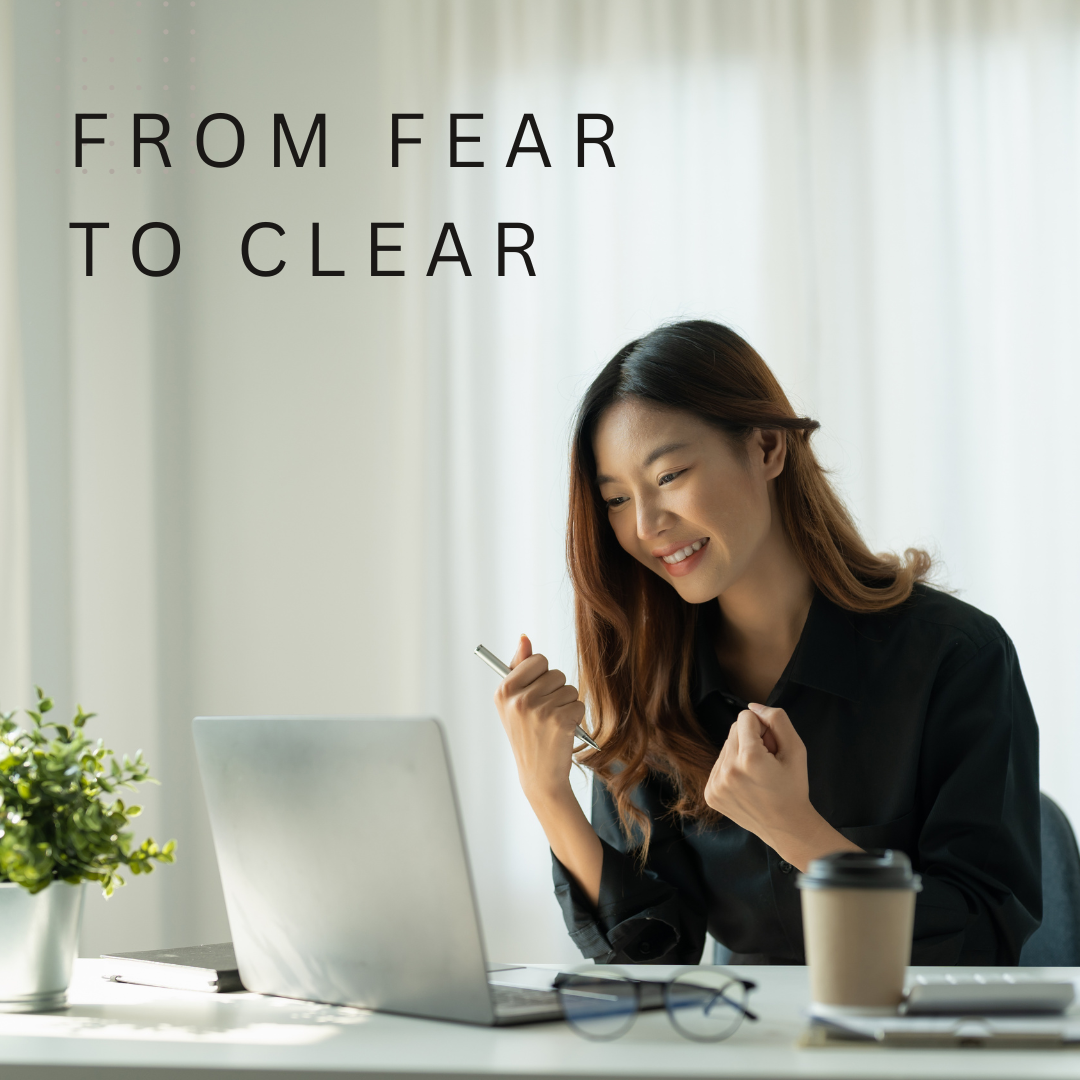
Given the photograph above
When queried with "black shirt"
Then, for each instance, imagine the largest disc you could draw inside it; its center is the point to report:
(919, 735)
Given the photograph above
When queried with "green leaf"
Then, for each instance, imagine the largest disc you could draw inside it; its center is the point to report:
(58, 817)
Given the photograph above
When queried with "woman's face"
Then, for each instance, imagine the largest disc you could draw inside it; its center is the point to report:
(684, 499)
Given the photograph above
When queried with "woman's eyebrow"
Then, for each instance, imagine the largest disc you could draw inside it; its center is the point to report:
(659, 452)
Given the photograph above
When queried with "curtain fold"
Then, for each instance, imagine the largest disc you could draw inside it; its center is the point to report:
(14, 523)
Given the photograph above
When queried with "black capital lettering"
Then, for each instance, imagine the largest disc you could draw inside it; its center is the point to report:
(239, 140)
(600, 140)
(521, 249)
(448, 230)
(455, 138)
(79, 140)
(317, 125)
(395, 139)
(376, 247)
(175, 249)
(246, 243)
(157, 140)
(89, 226)
(528, 120)
(315, 271)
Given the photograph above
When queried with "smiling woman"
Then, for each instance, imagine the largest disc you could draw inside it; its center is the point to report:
(765, 690)
(686, 435)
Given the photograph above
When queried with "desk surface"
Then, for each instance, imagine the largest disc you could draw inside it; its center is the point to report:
(168, 1032)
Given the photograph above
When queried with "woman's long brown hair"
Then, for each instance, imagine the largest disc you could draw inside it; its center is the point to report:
(634, 632)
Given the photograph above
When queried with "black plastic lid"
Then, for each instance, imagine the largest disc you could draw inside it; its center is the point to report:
(875, 869)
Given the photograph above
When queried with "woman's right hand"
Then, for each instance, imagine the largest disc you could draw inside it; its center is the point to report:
(539, 711)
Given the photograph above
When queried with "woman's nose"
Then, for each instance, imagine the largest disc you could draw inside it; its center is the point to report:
(651, 519)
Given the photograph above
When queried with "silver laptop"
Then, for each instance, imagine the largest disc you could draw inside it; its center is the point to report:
(343, 862)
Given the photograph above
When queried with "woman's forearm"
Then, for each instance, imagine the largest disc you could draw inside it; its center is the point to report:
(573, 840)
(808, 839)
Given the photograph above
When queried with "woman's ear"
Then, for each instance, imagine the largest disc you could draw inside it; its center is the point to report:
(768, 451)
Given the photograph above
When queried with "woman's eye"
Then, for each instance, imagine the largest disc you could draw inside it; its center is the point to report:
(617, 501)
(668, 477)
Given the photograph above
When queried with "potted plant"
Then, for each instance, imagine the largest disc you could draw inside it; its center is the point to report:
(62, 824)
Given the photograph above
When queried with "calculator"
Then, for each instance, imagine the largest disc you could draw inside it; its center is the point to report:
(987, 993)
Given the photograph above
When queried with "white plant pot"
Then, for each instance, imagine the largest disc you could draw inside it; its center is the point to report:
(39, 939)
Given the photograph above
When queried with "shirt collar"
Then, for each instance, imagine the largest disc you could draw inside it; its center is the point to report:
(708, 675)
(826, 657)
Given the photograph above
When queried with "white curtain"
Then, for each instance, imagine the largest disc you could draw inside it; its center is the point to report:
(14, 566)
(317, 495)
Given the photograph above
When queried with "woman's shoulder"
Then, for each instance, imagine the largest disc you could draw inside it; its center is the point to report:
(932, 605)
(932, 611)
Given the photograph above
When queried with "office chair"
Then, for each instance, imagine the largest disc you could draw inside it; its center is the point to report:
(1057, 941)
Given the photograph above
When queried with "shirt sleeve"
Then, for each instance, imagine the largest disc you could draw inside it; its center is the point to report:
(979, 849)
(651, 913)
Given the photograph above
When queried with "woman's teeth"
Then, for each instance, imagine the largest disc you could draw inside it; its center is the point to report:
(686, 552)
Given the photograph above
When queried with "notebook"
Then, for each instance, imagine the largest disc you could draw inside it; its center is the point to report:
(210, 968)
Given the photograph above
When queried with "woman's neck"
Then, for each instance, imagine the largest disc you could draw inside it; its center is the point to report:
(763, 616)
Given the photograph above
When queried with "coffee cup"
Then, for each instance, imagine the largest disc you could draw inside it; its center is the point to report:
(858, 912)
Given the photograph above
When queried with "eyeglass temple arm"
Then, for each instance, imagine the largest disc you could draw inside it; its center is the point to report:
(748, 986)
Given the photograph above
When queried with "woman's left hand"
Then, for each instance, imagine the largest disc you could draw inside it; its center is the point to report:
(760, 782)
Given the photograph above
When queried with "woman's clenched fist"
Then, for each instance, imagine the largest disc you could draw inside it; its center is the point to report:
(539, 710)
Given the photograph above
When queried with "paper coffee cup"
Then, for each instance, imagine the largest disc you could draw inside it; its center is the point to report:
(858, 913)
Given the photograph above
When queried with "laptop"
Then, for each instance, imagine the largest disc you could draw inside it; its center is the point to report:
(343, 863)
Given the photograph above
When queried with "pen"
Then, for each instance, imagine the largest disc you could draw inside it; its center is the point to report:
(500, 668)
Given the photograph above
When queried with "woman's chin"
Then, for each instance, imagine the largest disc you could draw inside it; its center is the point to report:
(696, 588)
(698, 596)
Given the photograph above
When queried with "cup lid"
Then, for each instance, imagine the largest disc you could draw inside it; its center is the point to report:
(874, 869)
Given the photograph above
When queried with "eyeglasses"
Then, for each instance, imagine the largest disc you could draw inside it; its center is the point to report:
(705, 1004)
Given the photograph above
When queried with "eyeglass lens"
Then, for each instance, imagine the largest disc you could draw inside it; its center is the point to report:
(706, 1006)
(598, 1007)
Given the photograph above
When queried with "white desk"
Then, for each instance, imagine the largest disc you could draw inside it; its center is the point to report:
(163, 1034)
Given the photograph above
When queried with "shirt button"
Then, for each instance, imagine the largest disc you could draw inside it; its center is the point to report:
(785, 867)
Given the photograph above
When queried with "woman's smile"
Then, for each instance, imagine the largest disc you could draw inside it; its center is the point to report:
(682, 560)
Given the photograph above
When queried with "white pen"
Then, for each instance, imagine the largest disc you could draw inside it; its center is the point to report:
(502, 669)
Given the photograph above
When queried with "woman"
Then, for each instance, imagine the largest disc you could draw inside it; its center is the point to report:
(764, 689)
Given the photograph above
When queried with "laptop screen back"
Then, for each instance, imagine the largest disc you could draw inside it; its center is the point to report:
(343, 864)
